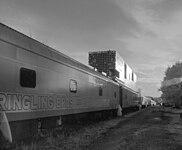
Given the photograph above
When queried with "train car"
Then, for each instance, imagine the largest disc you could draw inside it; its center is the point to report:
(39, 85)
(146, 101)
(128, 99)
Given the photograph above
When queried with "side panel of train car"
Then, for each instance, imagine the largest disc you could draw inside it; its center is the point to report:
(128, 98)
(39, 87)
(37, 82)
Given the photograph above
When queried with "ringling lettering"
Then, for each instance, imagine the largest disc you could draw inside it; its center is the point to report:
(17, 102)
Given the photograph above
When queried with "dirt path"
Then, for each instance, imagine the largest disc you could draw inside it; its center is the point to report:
(151, 129)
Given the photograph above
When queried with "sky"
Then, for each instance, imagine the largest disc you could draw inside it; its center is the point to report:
(146, 33)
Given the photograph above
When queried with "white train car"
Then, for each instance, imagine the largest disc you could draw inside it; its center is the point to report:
(39, 85)
(145, 101)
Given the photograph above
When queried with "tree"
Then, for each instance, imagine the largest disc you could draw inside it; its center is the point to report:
(172, 86)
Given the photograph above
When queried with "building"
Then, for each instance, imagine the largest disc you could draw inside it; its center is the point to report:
(111, 63)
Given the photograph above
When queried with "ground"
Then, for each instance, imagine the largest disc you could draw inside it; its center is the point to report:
(154, 128)
(150, 129)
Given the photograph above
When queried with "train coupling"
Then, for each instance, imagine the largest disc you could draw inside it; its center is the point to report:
(5, 127)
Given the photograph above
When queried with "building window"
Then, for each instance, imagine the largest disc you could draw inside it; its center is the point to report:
(27, 78)
(100, 91)
(125, 71)
(73, 86)
(132, 76)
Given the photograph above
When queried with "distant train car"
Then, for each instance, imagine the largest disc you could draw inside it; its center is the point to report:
(38, 85)
(129, 98)
(145, 101)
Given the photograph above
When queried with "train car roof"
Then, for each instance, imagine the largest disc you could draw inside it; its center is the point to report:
(21, 40)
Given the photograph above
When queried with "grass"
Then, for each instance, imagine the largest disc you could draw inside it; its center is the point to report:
(69, 137)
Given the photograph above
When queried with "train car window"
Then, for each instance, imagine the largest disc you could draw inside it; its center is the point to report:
(125, 96)
(115, 95)
(73, 86)
(27, 78)
(100, 91)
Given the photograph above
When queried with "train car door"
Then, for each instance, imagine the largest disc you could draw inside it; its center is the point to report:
(121, 96)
